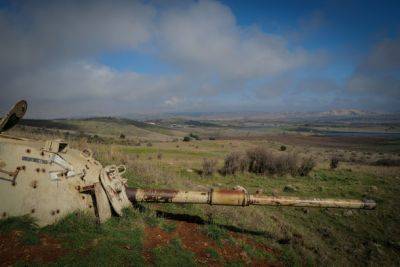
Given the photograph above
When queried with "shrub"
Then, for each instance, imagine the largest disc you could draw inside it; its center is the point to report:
(149, 144)
(186, 139)
(194, 136)
(260, 161)
(234, 162)
(121, 136)
(283, 148)
(208, 167)
(387, 162)
(286, 164)
(159, 155)
(306, 166)
(334, 162)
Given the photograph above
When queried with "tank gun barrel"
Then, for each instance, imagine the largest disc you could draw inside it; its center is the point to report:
(239, 198)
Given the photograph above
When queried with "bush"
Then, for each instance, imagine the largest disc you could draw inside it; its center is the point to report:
(159, 155)
(260, 161)
(387, 162)
(283, 148)
(234, 162)
(306, 166)
(194, 136)
(186, 139)
(208, 167)
(149, 144)
(121, 136)
(334, 162)
(286, 164)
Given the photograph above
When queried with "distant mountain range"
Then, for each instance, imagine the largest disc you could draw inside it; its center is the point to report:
(348, 112)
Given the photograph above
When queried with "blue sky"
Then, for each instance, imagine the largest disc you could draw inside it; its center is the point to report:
(122, 57)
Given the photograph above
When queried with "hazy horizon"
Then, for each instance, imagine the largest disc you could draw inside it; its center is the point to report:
(113, 58)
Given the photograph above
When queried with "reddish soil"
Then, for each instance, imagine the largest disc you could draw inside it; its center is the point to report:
(12, 250)
(194, 240)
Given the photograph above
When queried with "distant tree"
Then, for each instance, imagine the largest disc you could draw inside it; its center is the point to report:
(186, 139)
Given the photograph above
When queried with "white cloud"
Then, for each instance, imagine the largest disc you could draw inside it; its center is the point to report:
(50, 49)
(204, 37)
(58, 31)
(378, 75)
(49, 54)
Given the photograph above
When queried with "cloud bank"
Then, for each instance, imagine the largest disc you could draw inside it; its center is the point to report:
(51, 52)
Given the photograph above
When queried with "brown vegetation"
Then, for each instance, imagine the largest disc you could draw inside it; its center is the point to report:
(235, 162)
(208, 167)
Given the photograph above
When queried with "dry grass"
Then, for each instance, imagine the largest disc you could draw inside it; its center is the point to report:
(300, 236)
(208, 167)
(235, 162)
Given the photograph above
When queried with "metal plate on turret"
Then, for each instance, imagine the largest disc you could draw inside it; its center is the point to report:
(13, 116)
(114, 185)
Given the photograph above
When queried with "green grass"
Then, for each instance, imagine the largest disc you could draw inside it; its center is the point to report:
(213, 253)
(117, 242)
(298, 236)
(26, 224)
(173, 255)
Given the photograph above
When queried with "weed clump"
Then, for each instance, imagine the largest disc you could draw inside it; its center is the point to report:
(262, 161)
(306, 166)
(334, 163)
(286, 163)
(208, 167)
(234, 162)
(387, 162)
(194, 136)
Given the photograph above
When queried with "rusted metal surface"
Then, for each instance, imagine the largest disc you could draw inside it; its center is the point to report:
(239, 198)
(13, 175)
(315, 202)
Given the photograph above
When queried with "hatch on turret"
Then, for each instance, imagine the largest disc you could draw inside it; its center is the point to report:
(13, 116)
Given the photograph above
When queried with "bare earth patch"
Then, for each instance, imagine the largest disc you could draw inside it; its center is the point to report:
(12, 250)
(194, 240)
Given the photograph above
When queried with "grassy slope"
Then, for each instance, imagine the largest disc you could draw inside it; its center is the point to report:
(297, 236)
(108, 127)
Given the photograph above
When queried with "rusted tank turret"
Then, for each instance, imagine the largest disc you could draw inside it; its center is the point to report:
(49, 179)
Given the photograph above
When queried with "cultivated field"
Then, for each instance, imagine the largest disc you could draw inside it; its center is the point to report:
(191, 235)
